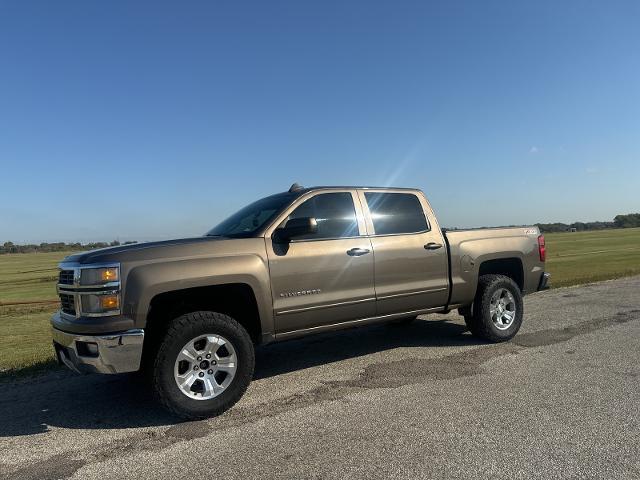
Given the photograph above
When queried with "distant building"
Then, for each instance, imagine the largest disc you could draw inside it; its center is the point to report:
(573, 229)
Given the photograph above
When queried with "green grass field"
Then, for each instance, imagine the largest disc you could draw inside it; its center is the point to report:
(575, 258)
(28, 295)
(27, 300)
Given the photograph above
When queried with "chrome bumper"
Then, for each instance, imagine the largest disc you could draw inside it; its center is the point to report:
(114, 353)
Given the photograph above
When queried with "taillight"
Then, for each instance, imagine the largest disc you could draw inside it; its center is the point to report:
(541, 248)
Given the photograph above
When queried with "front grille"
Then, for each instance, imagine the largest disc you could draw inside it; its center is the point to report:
(65, 277)
(67, 304)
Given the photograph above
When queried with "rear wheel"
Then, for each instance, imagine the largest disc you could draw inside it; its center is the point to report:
(497, 309)
(204, 365)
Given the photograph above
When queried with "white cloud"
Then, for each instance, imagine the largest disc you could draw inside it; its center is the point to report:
(533, 150)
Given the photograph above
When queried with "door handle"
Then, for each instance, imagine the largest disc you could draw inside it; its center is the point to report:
(432, 246)
(356, 252)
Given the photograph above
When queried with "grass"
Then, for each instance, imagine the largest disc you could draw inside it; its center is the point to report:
(27, 301)
(29, 277)
(28, 294)
(583, 257)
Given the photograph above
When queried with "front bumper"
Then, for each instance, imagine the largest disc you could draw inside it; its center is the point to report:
(111, 353)
(544, 281)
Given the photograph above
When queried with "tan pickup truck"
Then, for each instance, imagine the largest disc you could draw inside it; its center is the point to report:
(189, 312)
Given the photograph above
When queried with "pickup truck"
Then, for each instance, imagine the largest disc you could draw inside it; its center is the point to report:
(189, 313)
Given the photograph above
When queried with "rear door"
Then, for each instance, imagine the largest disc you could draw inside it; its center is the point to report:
(411, 265)
(327, 277)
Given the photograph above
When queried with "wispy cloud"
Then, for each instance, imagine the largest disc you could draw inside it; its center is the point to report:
(591, 170)
(533, 149)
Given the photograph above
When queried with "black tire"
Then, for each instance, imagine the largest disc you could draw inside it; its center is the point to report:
(480, 321)
(181, 331)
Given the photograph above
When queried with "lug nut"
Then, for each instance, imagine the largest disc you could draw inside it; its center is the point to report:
(201, 374)
(213, 362)
(209, 372)
(199, 358)
(208, 355)
(196, 367)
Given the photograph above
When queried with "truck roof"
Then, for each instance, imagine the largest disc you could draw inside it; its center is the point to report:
(300, 189)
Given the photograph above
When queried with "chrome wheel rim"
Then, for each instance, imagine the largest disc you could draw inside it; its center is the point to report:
(205, 366)
(502, 309)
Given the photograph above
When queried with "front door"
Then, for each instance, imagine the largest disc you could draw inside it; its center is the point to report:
(326, 277)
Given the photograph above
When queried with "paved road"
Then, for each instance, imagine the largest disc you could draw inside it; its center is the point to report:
(422, 401)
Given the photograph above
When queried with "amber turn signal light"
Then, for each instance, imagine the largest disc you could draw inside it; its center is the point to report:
(109, 274)
(109, 302)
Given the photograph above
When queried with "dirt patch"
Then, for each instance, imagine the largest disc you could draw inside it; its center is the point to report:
(417, 370)
(54, 468)
(553, 336)
(189, 430)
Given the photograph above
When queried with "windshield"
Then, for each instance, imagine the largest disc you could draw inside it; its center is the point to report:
(249, 220)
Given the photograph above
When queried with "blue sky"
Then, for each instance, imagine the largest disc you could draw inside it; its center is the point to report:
(156, 120)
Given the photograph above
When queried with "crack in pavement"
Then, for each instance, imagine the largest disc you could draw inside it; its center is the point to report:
(392, 374)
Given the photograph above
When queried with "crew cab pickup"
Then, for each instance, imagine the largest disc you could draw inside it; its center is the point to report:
(189, 312)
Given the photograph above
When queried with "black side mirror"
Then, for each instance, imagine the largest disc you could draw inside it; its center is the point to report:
(296, 227)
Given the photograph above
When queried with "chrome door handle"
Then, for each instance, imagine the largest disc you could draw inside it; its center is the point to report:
(432, 246)
(356, 252)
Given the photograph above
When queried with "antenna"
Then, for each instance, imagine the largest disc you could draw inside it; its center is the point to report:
(296, 187)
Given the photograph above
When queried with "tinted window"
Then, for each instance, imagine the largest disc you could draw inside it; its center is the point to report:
(396, 213)
(246, 222)
(334, 212)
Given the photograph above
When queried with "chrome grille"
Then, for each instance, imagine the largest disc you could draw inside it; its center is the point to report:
(65, 277)
(67, 304)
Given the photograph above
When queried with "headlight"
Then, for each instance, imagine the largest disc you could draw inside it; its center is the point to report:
(100, 303)
(90, 290)
(99, 276)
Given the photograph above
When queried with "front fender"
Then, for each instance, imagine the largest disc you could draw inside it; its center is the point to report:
(146, 280)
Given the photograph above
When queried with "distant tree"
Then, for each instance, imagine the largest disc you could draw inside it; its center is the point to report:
(629, 220)
(10, 247)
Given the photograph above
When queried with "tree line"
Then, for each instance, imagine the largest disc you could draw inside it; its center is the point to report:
(630, 220)
(10, 247)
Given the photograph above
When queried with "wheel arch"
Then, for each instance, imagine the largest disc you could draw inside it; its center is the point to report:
(511, 267)
(238, 300)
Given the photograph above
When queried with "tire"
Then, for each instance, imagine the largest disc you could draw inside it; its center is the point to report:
(497, 310)
(230, 365)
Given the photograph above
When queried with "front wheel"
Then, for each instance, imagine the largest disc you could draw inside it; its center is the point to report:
(497, 309)
(203, 366)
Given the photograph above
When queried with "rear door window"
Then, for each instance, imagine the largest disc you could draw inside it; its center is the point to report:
(396, 213)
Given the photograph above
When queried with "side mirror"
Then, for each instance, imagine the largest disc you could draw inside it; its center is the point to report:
(296, 227)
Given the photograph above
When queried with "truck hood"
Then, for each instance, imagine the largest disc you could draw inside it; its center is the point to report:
(152, 250)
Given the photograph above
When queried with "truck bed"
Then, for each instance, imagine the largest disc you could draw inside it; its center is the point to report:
(510, 248)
